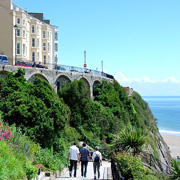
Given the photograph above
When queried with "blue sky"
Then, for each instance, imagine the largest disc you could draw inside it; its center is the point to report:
(138, 40)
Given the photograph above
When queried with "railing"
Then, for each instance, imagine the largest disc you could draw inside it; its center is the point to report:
(152, 162)
(61, 68)
(115, 171)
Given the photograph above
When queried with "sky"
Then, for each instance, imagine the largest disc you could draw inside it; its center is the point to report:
(137, 40)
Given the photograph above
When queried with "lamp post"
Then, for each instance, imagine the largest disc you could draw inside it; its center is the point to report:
(16, 27)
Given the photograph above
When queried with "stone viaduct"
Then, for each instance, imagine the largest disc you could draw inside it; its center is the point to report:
(56, 78)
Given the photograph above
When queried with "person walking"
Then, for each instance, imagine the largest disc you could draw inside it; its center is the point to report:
(97, 161)
(74, 158)
(85, 153)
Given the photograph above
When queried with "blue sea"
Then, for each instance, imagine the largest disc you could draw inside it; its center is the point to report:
(166, 109)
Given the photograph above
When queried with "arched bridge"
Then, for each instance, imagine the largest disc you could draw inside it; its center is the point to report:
(56, 78)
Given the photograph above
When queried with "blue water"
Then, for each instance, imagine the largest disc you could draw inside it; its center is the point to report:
(166, 109)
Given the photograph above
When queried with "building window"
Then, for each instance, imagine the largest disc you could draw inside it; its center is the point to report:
(24, 49)
(44, 46)
(18, 32)
(33, 42)
(56, 47)
(56, 59)
(38, 56)
(24, 34)
(37, 29)
(44, 34)
(18, 20)
(49, 59)
(33, 56)
(56, 36)
(23, 21)
(18, 48)
(48, 34)
(44, 59)
(33, 29)
(48, 47)
(37, 43)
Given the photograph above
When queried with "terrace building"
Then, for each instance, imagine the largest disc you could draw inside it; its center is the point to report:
(27, 36)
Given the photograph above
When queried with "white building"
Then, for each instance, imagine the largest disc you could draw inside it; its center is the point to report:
(27, 36)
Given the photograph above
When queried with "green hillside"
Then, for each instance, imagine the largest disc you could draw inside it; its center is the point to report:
(115, 122)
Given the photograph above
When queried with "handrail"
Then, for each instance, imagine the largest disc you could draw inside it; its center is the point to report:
(150, 159)
(115, 171)
(65, 68)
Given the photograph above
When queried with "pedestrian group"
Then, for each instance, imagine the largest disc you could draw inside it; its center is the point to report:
(75, 155)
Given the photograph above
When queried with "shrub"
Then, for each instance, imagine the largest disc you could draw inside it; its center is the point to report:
(132, 168)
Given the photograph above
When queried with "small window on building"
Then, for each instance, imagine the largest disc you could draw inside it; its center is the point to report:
(38, 56)
(24, 21)
(44, 59)
(56, 59)
(23, 49)
(44, 46)
(33, 56)
(49, 59)
(37, 29)
(33, 42)
(18, 21)
(18, 48)
(56, 36)
(24, 33)
(37, 43)
(18, 32)
(44, 34)
(56, 47)
(33, 29)
(48, 47)
(48, 35)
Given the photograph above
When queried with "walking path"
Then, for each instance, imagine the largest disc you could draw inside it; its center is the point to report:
(105, 172)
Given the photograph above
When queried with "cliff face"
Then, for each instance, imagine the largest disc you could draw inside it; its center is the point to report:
(157, 154)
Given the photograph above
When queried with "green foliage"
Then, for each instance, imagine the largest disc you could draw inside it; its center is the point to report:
(50, 161)
(132, 168)
(175, 171)
(129, 140)
(34, 108)
(13, 164)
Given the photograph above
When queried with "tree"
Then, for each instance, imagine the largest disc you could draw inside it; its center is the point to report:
(33, 107)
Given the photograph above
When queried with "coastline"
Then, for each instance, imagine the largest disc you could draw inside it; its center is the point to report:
(172, 139)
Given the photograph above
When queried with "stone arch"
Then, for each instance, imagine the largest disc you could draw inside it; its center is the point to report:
(61, 81)
(87, 85)
(41, 76)
(3, 74)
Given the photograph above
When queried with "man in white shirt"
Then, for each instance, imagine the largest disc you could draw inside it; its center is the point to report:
(74, 158)
(97, 161)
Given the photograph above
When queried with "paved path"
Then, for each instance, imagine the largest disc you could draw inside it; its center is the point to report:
(105, 172)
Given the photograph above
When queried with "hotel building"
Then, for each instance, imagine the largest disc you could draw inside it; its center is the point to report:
(27, 36)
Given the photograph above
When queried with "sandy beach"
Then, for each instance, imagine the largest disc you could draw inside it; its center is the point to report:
(173, 142)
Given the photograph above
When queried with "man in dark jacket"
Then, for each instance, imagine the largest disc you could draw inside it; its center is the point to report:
(85, 153)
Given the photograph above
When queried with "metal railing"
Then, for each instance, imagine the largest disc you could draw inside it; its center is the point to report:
(154, 163)
(115, 171)
(62, 68)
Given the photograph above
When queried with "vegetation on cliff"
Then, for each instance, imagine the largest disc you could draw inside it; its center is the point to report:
(54, 121)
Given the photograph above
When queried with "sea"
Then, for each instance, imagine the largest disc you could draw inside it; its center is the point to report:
(166, 109)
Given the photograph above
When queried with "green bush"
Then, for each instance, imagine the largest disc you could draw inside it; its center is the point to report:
(50, 161)
(132, 168)
(13, 165)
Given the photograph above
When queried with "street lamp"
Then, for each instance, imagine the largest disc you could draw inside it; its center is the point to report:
(16, 27)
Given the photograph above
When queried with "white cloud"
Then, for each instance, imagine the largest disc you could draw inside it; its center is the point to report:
(171, 80)
(122, 77)
(146, 86)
